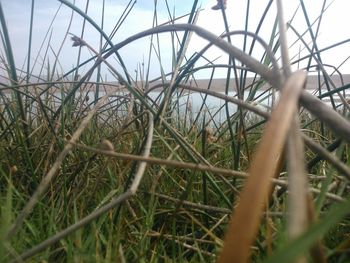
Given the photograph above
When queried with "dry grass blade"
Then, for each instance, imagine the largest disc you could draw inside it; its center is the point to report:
(168, 162)
(296, 167)
(325, 154)
(146, 153)
(335, 121)
(239, 102)
(245, 222)
(194, 167)
(298, 184)
(283, 39)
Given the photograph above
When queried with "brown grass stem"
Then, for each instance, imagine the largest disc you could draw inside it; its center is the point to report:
(146, 152)
(297, 184)
(246, 216)
(192, 166)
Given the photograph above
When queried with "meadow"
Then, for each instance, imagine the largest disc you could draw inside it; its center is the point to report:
(131, 169)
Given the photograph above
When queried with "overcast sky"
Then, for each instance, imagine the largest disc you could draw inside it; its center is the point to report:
(334, 28)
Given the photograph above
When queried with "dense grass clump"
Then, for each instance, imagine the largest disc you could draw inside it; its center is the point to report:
(136, 169)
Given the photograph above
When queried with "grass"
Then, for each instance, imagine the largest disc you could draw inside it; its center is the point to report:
(90, 172)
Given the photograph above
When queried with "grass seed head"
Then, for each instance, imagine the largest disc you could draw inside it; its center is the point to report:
(106, 145)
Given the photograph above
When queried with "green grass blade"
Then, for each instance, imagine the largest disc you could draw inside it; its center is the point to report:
(291, 250)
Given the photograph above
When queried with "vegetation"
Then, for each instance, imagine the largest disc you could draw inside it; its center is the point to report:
(97, 171)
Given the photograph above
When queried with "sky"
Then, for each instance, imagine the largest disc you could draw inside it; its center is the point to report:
(334, 28)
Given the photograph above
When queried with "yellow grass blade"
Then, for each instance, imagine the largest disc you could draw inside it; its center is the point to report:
(245, 221)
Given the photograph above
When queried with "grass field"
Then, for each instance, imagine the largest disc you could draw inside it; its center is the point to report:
(90, 173)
